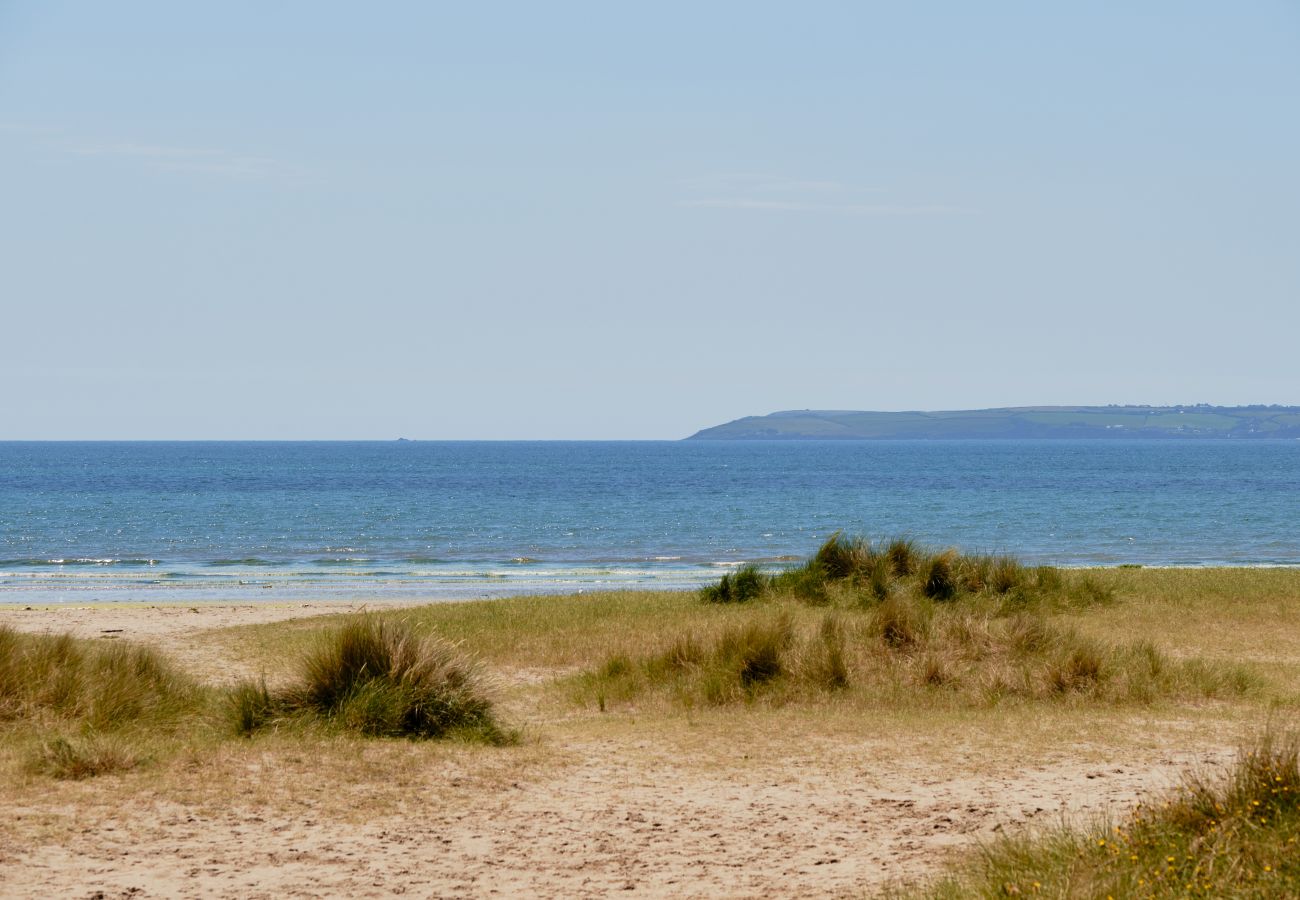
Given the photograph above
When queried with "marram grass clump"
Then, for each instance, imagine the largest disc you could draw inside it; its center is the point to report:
(85, 708)
(79, 708)
(855, 571)
(741, 586)
(377, 677)
(1236, 836)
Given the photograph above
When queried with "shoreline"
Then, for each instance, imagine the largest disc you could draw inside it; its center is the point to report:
(356, 594)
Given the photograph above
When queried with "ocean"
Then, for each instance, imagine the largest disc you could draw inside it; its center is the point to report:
(149, 522)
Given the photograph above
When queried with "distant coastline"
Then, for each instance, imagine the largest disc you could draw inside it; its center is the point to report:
(1086, 422)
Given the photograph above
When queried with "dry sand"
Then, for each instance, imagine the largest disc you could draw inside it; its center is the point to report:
(605, 828)
(618, 815)
(175, 628)
(168, 622)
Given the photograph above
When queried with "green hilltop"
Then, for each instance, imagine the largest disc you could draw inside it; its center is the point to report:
(1198, 421)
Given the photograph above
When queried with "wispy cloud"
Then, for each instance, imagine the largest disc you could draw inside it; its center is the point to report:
(863, 209)
(770, 193)
(198, 160)
(756, 183)
(207, 161)
(23, 128)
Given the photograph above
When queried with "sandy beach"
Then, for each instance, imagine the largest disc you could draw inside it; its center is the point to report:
(613, 821)
(780, 802)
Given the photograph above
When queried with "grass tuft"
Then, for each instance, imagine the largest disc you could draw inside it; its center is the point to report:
(250, 707)
(74, 759)
(755, 652)
(904, 556)
(841, 557)
(879, 581)
(940, 583)
(827, 664)
(379, 678)
(48, 679)
(807, 583)
(738, 663)
(901, 622)
(741, 586)
(1078, 668)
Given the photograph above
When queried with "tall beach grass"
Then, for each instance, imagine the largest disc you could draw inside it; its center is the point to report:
(89, 708)
(77, 708)
(99, 685)
(380, 678)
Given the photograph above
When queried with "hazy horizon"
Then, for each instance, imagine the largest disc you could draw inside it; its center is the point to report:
(407, 437)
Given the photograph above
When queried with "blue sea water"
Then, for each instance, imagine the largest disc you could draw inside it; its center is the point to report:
(274, 521)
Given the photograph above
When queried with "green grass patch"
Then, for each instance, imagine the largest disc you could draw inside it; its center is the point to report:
(73, 708)
(852, 570)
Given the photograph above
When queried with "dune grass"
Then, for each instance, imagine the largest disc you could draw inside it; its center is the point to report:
(84, 708)
(57, 679)
(907, 623)
(545, 634)
(1007, 633)
(733, 664)
(906, 650)
(741, 586)
(378, 678)
(1233, 837)
(1218, 614)
(78, 708)
(866, 677)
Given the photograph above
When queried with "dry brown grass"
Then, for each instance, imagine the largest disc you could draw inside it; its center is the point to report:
(1248, 615)
(905, 650)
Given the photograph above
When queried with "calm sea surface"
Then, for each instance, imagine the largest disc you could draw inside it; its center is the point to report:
(274, 521)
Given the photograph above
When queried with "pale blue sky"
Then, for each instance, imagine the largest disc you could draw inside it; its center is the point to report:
(563, 220)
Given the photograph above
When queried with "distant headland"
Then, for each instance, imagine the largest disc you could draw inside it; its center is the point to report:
(1197, 421)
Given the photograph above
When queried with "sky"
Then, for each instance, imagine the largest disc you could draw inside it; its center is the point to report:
(599, 220)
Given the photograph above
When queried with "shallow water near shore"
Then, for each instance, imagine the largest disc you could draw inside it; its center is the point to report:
(83, 522)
